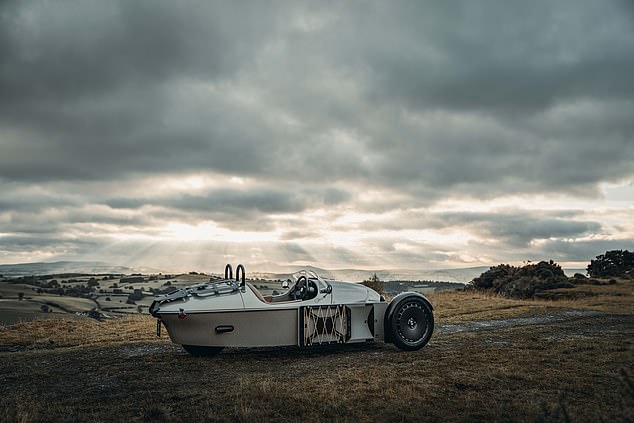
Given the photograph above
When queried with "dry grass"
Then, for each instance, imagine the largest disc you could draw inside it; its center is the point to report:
(57, 333)
(570, 370)
(458, 307)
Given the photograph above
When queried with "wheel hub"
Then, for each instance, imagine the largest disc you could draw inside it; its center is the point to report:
(411, 323)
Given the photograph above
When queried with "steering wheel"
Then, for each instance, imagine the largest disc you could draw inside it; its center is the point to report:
(301, 288)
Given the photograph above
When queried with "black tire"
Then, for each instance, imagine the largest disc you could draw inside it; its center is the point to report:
(412, 324)
(199, 351)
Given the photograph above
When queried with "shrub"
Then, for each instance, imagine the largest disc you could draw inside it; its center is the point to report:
(619, 263)
(494, 277)
(374, 283)
(135, 296)
(522, 282)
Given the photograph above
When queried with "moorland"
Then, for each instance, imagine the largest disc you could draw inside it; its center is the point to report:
(562, 358)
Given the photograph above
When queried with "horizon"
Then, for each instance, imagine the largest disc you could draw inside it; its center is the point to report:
(282, 268)
(388, 136)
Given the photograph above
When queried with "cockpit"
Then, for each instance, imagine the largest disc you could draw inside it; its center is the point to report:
(303, 286)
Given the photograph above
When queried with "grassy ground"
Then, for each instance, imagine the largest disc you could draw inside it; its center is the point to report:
(577, 368)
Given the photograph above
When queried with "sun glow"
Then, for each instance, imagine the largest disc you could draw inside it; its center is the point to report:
(209, 231)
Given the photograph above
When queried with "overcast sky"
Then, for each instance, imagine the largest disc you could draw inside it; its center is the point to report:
(366, 134)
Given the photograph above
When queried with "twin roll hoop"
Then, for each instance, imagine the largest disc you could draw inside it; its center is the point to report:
(229, 274)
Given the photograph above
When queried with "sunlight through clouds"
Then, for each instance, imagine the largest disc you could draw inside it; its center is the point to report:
(400, 135)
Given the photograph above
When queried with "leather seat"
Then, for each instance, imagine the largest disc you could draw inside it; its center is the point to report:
(259, 294)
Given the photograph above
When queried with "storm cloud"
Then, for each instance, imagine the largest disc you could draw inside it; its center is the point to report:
(350, 134)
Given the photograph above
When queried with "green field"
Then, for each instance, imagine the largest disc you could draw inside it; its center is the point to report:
(15, 309)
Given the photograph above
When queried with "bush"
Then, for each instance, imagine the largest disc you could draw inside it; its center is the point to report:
(135, 296)
(374, 283)
(522, 282)
(615, 263)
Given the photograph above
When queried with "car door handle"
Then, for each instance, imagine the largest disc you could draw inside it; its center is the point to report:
(224, 329)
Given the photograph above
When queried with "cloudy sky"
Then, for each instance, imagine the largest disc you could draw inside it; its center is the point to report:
(367, 134)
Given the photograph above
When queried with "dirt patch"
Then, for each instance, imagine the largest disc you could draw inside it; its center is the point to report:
(517, 321)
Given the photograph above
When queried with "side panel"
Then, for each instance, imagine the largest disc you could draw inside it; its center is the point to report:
(327, 324)
(361, 323)
(234, 329)
(341, 323)
(379, 326)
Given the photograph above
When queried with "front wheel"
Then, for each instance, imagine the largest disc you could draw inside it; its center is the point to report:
(199, 351)
(412, 324)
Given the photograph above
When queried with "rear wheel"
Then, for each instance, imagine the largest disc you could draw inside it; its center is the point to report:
(200, 351)
(412, 324)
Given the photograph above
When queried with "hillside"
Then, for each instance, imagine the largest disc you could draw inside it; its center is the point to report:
(258, 270)
(45, 268)
(490, 359)
(357, 275)
(263, 271)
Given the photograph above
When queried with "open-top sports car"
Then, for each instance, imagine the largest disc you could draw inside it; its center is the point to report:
(207, 317)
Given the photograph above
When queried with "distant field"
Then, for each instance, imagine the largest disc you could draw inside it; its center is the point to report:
(13, 309)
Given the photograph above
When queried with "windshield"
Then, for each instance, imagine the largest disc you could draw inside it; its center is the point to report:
(304, 284)
(310, 276)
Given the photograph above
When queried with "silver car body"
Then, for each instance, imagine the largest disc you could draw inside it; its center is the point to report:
(233, 313)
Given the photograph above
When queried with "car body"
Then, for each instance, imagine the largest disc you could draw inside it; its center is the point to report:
(207, 317)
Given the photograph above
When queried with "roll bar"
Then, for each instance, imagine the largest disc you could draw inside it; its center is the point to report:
(242, 281)
(228, 271)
